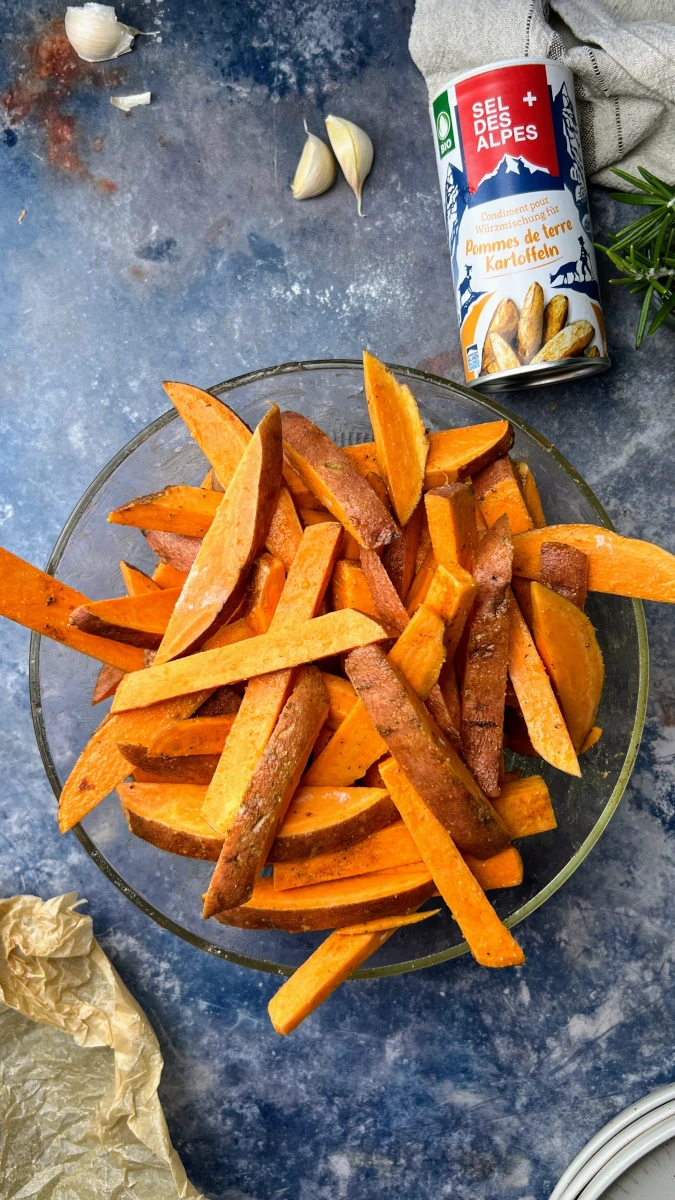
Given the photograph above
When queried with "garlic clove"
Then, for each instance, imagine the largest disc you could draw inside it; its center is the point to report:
(126, 103)
(353, 150)
(316, 170)
(95, 33)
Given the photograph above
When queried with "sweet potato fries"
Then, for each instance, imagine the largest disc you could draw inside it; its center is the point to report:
(309, 693)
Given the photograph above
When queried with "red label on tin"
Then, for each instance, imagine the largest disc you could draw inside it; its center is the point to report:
(502, 114)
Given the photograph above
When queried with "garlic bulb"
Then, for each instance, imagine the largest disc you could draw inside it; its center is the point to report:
(353, 150)
(95, 33)
(316, 170)
(126, 103)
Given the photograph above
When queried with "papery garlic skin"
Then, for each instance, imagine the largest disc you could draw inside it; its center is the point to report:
(95, 33)
(353, 150)
(126, 103)
(316, 170)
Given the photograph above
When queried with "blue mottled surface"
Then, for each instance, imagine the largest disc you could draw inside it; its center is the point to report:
(193, 262)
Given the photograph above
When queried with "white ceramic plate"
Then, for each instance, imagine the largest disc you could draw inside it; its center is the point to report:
(653, 1178)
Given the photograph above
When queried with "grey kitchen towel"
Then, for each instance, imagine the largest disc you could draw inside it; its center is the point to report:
(621, 52)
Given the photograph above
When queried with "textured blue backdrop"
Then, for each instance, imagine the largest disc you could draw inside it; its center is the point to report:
(167, 244)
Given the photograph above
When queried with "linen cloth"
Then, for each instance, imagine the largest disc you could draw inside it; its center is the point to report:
(621, 52)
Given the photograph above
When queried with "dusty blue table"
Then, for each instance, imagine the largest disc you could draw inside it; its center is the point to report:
(166, 244)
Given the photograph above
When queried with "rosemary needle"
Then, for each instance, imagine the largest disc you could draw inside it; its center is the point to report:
(644, 251)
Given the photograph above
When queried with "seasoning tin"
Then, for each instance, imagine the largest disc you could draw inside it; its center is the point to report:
(516, 211)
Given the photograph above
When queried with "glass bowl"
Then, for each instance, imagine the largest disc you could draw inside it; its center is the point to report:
(86, 556)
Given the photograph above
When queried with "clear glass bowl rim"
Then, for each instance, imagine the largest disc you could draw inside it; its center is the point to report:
(495, 410)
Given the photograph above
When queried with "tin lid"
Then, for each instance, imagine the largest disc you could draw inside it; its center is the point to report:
(540, 375)
(493, 66)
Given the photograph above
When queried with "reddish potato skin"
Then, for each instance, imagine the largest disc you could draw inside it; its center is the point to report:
(333, 915)
(193, 768)
(176, 549)
(425, 755)
(344, 491)
(565, 569)
(88, 622)
(390, 608)
(277, 774)
(484, 683)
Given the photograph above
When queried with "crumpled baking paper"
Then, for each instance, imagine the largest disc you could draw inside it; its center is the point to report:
(80, 1118)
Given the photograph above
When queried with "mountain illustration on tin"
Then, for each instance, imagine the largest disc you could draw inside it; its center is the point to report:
(512, 177)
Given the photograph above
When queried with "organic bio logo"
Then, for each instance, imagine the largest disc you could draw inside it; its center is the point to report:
(443, 126)
(443, 122)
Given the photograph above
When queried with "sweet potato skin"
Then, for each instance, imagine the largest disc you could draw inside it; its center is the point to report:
(618, 565)
(334, 480)
(484, 683)
(248, 841)
(498, 494)
(107, 682)
(330, 905)
(174, 549)
(390, 608)
(565, 570)
(194, 768)
(223, 702)
(400, 556)
(428, 760)
(191, 839)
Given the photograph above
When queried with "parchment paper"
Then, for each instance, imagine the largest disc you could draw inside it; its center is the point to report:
(80, 1118)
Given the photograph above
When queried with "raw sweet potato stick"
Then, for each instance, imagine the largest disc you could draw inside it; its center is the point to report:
(137, 620)
(178, 509)
(490, 942)
(484, 683)
(333, 633)
(263, 806)
(218, 575)
(265, 696)
(223, 437)
(400, 440)
(330, 475)
(441, 778)
(37, 600)
(545, 724)
(619, 565)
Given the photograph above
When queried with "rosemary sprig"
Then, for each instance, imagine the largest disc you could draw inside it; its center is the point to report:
(644, 251)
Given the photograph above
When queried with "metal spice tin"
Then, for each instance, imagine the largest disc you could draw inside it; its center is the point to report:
(516, 211)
